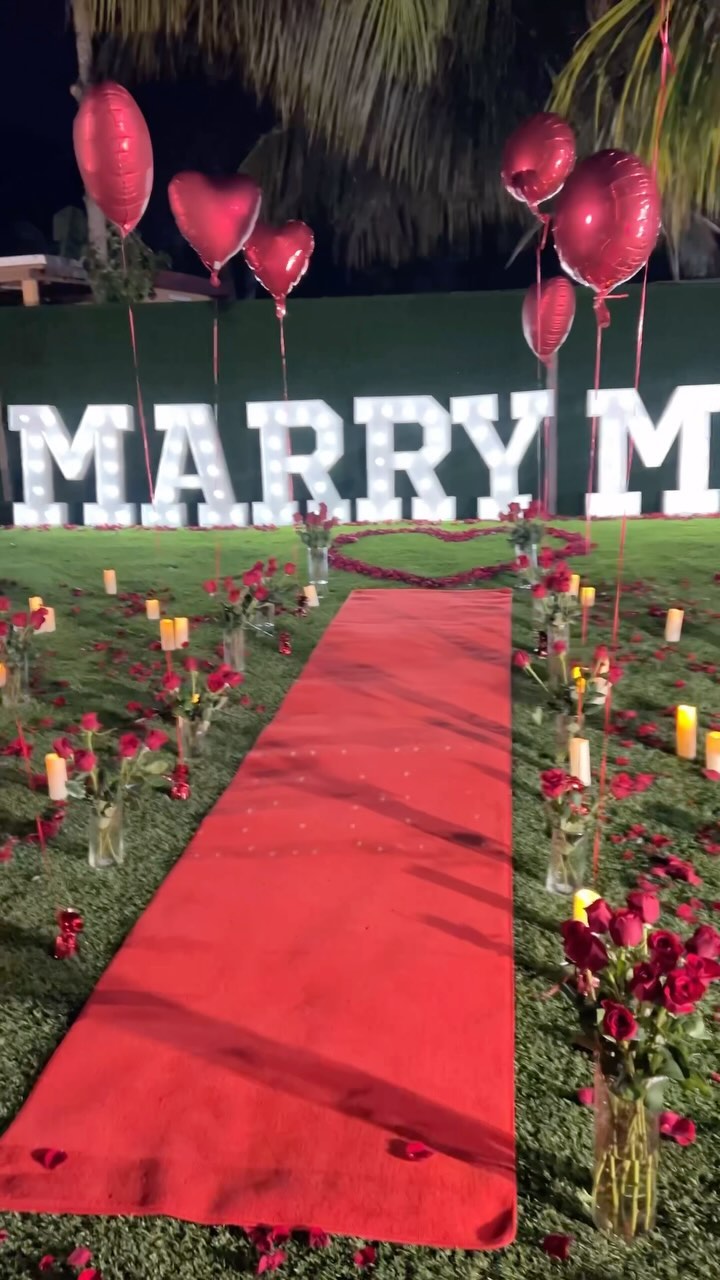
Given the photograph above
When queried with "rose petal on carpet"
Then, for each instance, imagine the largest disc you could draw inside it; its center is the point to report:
(326, 976)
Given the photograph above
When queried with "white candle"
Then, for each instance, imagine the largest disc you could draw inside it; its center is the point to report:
(311, 596)
(182, 632)
(56, 770)
(574, 584)
(152, 610)
(712, 751)
(49, 619)
(583, 898)
(167, 634)
(110, 580)
(3, 675)
(673, 625)
(580, 760)
(35, 602)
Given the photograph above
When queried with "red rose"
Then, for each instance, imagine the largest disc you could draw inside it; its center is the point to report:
(645, 905)
(290, 568)
(90, 723)
(618, 1021)
(582, 947)
(19, 619)
(559, 646)
(85, 761)
(37, 617)
(323, 511)
(557, 1246)
(155, 739)
(171, 682)
(704, 942)
(645, 983)
(682, 991)
(521, 659)
(521, 562)
(599, 915)
(252, 577)
(261, 594)
(216, 681)
(272, 565)
(234, 594)
(554, 783)
(539, 590)
(210, 586)
(191, 664)
(128, 745)
(4, 604)
(665, 948)
(679, 1128)
(63, 747)
(702, 967)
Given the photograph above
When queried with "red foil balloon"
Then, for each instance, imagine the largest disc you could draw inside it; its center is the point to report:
(215, 215)
(114, 154)
(546, 327)
(537, 158)
(607, 220)
(278, 257)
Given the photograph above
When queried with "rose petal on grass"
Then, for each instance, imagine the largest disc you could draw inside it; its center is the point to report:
(79, 1257)
(557, 1246)
(365, 1256)
(49, 1157)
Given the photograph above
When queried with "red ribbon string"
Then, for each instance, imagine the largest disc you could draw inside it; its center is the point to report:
(600, 324)
(667, 67)
(280, 313)
(216, 378)
(138, 389)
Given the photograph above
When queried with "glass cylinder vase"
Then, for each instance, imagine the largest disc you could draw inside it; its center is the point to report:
(566, 865)
(234, 648)
(318, 570)
(106, 835)
(627, 1150)
(193, 735)
(562, 737)
(558, 643)
(17, 682)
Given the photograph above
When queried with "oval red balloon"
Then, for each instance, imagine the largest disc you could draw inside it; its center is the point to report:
(607, 219)
(547, 326)
(215, 215)
(114, 154)
(278, 257)
(537, 158)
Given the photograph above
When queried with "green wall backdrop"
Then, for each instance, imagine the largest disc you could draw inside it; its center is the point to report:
(442, 345)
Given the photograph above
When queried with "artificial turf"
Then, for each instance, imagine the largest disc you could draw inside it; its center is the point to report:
(667, 562)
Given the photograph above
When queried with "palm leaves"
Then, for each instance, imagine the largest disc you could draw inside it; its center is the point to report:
(612, 83)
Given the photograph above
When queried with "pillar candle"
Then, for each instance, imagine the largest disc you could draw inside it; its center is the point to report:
(582, 899)
(35, 602)
(574, 584)
(110, 580)
(311, 596)
(167, 634)
(580, 760)
(56, 770)
(712, 751)
(152, 609)
(587, 597)
(3, 675)
(686, 732)
(673, 625)
(182, 633)
(49, 620)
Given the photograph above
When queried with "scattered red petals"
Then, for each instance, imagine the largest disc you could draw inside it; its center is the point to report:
(586, 1096)
(47, 1262)
(365, 1256)
(418, 1151)
(49, 1157)
(677, 1127)
(317, 1238)
(271, 1261)
(557, 1246)
(79, 1257)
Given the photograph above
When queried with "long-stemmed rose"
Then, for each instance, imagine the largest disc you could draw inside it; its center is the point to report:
(566, 816)
(637, 992)
(189, 697)
(316, 529)
(526, 525)
(17, 637)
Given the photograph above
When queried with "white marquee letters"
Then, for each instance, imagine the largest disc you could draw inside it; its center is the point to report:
(378, 414)
(478, 414)
(191, 428)
(44, 436)
(686, 418)
(275, 420)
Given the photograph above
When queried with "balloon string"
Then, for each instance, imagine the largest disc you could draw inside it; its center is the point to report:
(667, 67)
(283, 357)
(138, 389)
(542, 472)
(216, 379)
(599, 326)
(551, 439)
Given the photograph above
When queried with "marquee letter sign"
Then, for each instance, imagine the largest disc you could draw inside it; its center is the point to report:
(189, 431)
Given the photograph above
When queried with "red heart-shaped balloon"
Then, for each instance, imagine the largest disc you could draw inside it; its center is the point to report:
(114, 153)
(547, 326)
(215, 215)
(278, 257)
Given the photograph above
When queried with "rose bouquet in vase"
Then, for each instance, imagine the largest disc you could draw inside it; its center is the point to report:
(252, 602)
(554, 608)
(637, 992)
(17, 640)
(316, 531)
(566, 821)
(193, 702)
(525, 534)
(570, 690)
(107, 771)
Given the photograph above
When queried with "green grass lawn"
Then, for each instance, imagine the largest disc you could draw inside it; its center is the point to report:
(40, 997)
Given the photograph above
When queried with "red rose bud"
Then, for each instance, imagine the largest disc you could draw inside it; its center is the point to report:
(85, 761)
(539, 590)
(704, 942)
(679, 1128)
(63, 747)
(521, 659)
(90, 723)
(626, 928)
(155, 739)
(645, 905)
(559, 646)
(557, 1247)
(682, 991)
(618, 1022)
(665, 948)
(210, 586)
(582, 947)
(555, 783)
(645, 983)
(521, 562)
(4, 604)
(599, 915)
(290, 568)
(180, 791)
(19, 619)
(171, 682)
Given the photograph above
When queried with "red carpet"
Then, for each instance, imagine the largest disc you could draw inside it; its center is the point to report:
(326, 973)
